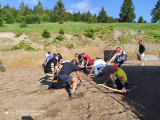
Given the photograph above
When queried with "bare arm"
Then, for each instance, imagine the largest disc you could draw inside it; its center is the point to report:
(52, 67)
(79, 76)
(91, 71)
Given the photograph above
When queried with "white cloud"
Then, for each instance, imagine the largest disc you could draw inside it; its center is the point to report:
(95, 10)
(84, 5)
(32, 2)
(70, 11)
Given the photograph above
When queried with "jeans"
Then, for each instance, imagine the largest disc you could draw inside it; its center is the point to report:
(98, 67)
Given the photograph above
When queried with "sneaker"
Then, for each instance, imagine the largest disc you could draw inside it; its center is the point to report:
(78, 85)
(74, 95)
(141, 64)
(114, 87)
(51, 86)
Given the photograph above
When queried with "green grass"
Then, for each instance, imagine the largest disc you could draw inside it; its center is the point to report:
(79, 28)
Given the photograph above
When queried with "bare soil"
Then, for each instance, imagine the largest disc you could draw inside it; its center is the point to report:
(22, 95)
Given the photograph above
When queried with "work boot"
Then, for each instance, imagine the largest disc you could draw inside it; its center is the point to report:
(74, 95)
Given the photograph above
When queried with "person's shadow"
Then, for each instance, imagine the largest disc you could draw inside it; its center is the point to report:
(55, 85)
(27, 118)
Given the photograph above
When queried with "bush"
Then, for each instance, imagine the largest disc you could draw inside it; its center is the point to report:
(23, 45)
(61, 22)
(18, 34)
(61, 31)
(31, 19)
(46, 34)
(23, 25)
(59, 37)
(76, 35)
(54, 41)
(89, 34)
(20, 19)
(69, 45)
(89, 30)
(45, 18)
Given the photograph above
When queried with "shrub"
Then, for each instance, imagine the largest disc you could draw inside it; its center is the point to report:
(18, 34)
(89, 30)
(61, 31)
(89, 34)
(61, 22)
(23, 45)
(31, 19)
(69, 45)
(59, 37)
(76, 35)
(45, 18)
(54, 41)
(23, 25)
(46, 34)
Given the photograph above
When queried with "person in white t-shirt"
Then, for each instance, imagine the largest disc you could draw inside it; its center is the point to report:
(98, 64)
(120, 55)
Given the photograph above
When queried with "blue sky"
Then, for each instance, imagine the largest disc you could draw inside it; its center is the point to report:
(112, 7)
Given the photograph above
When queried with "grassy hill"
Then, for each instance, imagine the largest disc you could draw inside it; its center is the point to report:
(78, 27)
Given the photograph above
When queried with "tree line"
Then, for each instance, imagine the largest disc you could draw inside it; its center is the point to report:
(59, 14)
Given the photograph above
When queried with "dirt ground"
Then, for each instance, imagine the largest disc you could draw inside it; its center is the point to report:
(23, 96)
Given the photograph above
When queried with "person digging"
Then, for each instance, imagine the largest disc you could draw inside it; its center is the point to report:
(64, 75)
(120, 55)
(119, 78)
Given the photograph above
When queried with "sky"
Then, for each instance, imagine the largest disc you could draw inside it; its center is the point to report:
(112, 7)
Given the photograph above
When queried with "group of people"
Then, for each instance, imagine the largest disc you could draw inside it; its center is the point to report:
(63, 70)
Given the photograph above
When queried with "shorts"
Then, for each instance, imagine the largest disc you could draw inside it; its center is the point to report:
(118, 82)
(141, 55)
(65, 78)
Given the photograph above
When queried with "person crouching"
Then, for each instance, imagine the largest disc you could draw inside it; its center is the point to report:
(65, 75)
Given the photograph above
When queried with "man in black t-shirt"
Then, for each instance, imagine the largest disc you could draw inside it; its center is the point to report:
(64, 75)
(141, 52)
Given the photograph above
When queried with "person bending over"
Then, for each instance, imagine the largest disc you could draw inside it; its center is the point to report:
(120, 55)
(98, 64)
(65, 75)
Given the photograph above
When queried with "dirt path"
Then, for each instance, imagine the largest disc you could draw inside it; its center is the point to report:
(23, 95)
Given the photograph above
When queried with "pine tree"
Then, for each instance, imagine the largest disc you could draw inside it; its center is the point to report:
(38, 9)
(102, 17)
(1, 19)
(22, 7)
(89, 18)
(127, 11)
(94, 18)
(27, 11)
(9, 18)
(140, 20)
(59, 11)
(155, 13)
